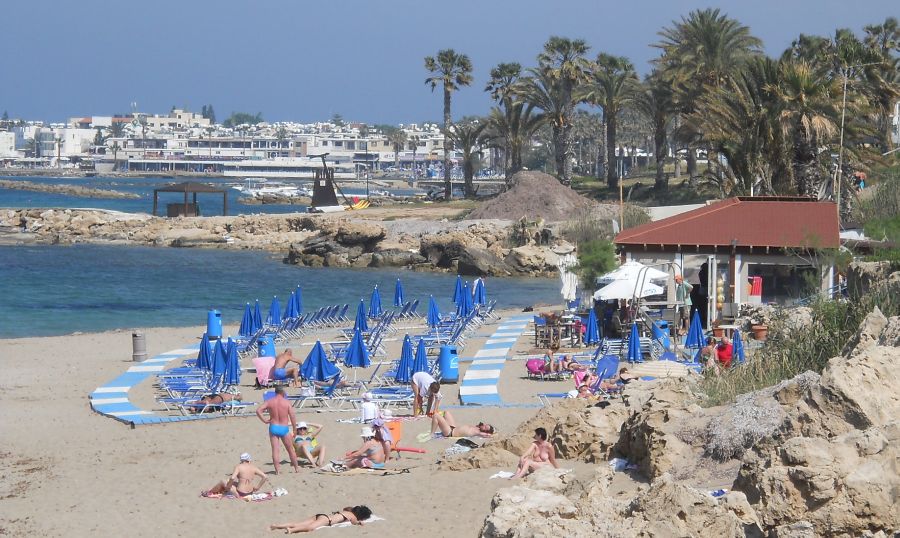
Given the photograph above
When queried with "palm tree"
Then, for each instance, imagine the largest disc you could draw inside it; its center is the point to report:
(655, 102)
(883, 41)
(556, 86)
(397, 139)
(451, 70)
(613, 84)
(468, 137)
(700, 53)
(513, 121)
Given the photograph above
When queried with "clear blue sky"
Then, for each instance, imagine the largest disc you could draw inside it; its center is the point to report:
(307, 60)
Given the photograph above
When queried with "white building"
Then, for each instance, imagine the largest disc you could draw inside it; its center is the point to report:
(8, 145)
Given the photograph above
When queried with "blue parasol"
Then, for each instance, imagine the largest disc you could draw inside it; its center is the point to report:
(398, 294)
(317, 367)
(204, 356)
(375, 310)
(434, 315)
(457, 290)
(694, 338)
(232, 365)
(464, 307)
(218, 367)
(298, 300)
(361, 324)
(634, 345)
(357, 355)
(246, 329)
(257, 317)
(480, 294)
(737, 347)
(420, 364)
(404, 367)
(274, 317)
(592, 331)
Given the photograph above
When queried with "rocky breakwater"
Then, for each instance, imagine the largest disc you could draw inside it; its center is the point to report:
(468, 247)
(816, 455)
(71, 190)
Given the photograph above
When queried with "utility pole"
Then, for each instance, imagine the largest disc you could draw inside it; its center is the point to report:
(836, 181)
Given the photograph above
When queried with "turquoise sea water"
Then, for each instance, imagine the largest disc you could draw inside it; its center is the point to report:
(53, 290)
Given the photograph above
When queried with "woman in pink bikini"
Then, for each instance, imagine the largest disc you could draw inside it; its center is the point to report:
(539, 454)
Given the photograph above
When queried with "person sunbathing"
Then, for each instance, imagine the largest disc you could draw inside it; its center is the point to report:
(445, 422)
(210, 401)
(584, 391)
(369, 456)
(307, 445)
(355, 515)
(239, 483)
(567, 362)
(539, 454)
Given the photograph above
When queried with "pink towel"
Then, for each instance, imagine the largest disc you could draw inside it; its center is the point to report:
(263, 367)
(579, 375)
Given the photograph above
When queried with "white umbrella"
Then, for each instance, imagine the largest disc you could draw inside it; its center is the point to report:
(625, 289)
(569, 287)
(631, 271)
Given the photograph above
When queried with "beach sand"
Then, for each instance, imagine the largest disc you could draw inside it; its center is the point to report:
(68, 471)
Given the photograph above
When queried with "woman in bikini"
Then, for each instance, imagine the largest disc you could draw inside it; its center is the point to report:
(240, 483)
(370, 455)
(539, 454)
(355, 515)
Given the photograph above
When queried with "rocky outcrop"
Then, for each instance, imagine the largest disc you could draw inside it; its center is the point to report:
(863, 276)
(69, 190)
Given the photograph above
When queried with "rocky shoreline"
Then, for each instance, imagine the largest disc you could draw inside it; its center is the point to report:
(469, 247)
(71, 190)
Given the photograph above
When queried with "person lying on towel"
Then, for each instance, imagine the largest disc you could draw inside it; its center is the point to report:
(355, 515)
(446, 423)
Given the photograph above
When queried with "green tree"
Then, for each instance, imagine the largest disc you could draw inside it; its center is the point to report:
(115, 130)
(337, 120)
(595, 258)
(452, 71)
(468, 137)
(208, 113)
(513, 121)
(883, 40)
(612, 86)
(242, 118)
(556, 86)
(655, 102)
(397, 139)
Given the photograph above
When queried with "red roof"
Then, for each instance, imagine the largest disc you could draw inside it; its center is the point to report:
(775, 221)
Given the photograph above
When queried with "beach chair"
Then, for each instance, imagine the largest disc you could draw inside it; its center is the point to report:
(326, 398)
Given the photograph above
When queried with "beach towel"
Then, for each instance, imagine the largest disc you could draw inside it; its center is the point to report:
(256, 497)
(373, 518)
(502, 474)
(359, 471)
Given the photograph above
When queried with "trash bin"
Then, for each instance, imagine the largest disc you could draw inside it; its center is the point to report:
(214, 325)
(448, 361)
(138, 347)
(661, 333)
(267, 346)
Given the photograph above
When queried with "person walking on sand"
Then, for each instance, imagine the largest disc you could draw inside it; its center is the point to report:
(281, 372)
(239, 483)
(281, 423)
(446, 423)
(539, 454)
(425, 386)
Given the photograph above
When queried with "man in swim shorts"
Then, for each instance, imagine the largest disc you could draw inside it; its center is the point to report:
(281, 372)
(282, 423)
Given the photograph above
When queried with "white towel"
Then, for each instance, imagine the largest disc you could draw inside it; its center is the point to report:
(372, 518)
(503, 474)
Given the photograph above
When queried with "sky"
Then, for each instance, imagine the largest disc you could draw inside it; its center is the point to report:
(300, 60)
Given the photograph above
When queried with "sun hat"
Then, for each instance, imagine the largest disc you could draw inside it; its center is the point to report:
(302, 424)
(367, 396)
(367, 432)
(245, 456)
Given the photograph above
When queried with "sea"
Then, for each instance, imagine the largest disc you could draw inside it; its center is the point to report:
(50, 290)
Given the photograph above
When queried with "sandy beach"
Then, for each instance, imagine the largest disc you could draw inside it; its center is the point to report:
(67, 470)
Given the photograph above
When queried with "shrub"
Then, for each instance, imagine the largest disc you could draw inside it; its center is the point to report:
(595, 258)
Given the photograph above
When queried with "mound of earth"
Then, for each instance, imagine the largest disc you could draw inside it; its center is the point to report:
(535, 195)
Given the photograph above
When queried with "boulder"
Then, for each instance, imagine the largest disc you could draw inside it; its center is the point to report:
(868, 334)
(890, 336)
(396, 258)
(481, 262)
(863, 276)
(522, 511)
(532, 259)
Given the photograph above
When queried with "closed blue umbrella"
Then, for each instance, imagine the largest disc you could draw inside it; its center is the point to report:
(274, 317)
(420, 363)
(694, 338)
(404, 367)
(434, 315)
(290, 307)
(232, 365)
(398, 294)
(357, 355)
(246, 328)
(204, 356)
(257, 317)
(592, 331)
(457, 289)
(464, 307)
(480, 293)
(298, 300)
(737, 349)
(218, 367)
(317, 367)
(361, 324)
(634, 345)
(375, 309)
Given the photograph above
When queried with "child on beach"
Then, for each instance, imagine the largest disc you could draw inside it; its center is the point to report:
(355, 515)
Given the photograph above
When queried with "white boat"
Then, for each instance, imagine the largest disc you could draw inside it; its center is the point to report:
(259, 186)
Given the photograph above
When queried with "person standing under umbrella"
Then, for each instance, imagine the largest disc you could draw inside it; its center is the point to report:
(282, 423)
(682, 304)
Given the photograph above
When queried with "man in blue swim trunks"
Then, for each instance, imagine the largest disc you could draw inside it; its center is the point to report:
(280, 370)
(282, 424)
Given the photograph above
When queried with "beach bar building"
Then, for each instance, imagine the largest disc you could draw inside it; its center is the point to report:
(189, 207)
(782, 241)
